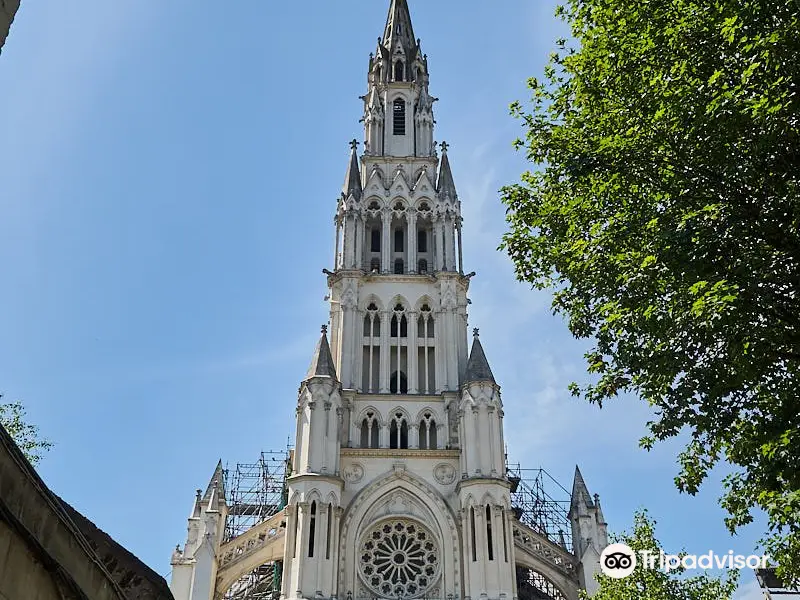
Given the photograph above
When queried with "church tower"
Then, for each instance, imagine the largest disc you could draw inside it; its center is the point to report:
(398, 486)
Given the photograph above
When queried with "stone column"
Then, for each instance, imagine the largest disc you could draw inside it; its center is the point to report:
(291, 541)
(384, 358)
(449, 242)
(301, 548)
(413, 435)
(359, 259)
(386, 241)
(412, 353)
(411, 219)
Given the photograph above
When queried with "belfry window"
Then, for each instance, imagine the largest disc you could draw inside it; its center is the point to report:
(399, 267)
(398, 240)
(422, 241)
(399, 70)
(426, 351)
(399, 383)
(375, 240)
(399, 117)
(371, 358)
(423, 266)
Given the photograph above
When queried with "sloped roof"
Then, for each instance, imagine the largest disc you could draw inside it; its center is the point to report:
(322, 362)
(477, 366)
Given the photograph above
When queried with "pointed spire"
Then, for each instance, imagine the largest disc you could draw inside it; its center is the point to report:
(398, 27)
(322, 363)
(215, 492)
(580, 493)
(477, 365)
(352, 181)
(445, 182)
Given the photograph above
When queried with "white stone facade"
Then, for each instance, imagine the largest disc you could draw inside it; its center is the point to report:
(399, 486)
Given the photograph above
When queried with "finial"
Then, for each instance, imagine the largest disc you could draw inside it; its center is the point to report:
(354, 144)
(476, 332)
(324, 329)
(445, 146)
(199, 493)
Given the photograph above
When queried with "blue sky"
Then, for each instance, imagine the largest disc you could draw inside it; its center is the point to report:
(169, 177)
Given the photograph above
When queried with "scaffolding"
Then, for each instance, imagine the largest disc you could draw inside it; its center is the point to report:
(541, 503)
(256, 491)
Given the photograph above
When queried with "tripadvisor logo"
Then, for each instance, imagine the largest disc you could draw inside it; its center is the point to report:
(619, 560)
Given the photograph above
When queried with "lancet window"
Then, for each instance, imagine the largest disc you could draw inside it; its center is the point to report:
(426, 352)
(370, 431)
(398, 351)
(427, 432)
(371, 345)
(398, 432)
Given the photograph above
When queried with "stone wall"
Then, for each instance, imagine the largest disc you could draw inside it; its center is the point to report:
(8, 9)
(22, 574)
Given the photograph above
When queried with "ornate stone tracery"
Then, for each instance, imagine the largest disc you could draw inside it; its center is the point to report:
(399, 558)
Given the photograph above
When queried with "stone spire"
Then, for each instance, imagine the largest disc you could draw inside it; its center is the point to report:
(477, 366)
(589, 532)
(446, 184)
(398, 28)
(581, 499)
(322, 363)
(352, 180)
(215, 492)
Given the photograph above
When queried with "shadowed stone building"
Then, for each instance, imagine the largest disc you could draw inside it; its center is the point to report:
(49, 551)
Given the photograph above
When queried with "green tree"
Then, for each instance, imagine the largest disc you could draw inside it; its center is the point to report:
(664, 215)
(26, 436)
(655, 584)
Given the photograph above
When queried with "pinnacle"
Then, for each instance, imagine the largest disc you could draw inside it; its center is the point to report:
(352, 180)
(580, 493)
(446, 184)
(477, 366)
(322, 362)
(215, 492)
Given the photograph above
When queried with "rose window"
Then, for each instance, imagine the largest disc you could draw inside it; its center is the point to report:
(399, 559)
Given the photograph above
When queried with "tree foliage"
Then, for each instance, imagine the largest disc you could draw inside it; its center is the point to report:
(655, 584)
(664, 214)
(26, 436)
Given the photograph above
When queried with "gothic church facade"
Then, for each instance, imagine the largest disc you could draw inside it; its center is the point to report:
(398, 486)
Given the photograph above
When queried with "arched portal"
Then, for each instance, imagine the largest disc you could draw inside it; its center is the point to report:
(410, 507)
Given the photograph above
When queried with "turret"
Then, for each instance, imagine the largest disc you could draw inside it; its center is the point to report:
(589, 532)
(194, 568)
(481, 417)
(484, 489)
(318, 410)
(315, 488)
